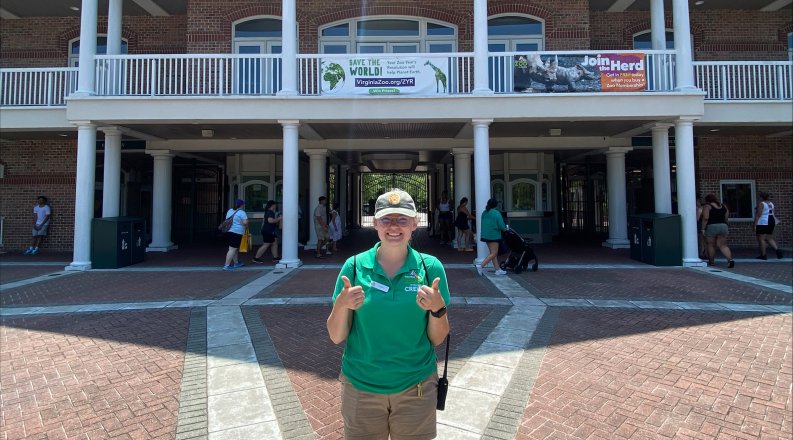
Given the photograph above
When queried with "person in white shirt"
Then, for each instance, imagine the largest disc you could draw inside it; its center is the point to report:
(41, 225)
(764, 222)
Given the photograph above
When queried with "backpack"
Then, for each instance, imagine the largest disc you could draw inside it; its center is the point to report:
(227, 223)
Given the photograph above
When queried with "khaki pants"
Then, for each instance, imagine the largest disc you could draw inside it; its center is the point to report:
(404, 415)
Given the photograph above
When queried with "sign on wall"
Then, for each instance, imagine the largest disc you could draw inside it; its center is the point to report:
(610, 72)
(372, 75)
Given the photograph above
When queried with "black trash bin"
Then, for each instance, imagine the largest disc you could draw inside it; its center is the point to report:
(659, 239)
(117, 242)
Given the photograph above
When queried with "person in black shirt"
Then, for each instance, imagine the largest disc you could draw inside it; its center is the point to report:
(714, 220)
(269, 232)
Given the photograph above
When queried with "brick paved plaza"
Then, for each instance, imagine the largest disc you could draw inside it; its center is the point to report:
(177, 349)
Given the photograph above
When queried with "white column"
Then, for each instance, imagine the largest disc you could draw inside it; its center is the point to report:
(686, 189)
(618, 213)
(662, 178)
(657, 25)
(344, 184)
(161, 203)
(288, 48)
(291, 167)
(86, 77)
(84, 196)
(481, 86)
(111, 181)
(114, 18)
(462, 180)
(684, 67)
(482, 178)
(317, 186)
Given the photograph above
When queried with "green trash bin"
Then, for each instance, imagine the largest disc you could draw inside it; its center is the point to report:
(660, 239)
(635, 237)
(117, 242)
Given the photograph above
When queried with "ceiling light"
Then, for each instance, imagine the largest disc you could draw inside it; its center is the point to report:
(554, 131)
(715, 129)
(74, 8)
(699, 2)
(63, 134)
(207, 133)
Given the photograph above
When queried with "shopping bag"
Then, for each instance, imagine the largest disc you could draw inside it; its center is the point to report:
(245, 243)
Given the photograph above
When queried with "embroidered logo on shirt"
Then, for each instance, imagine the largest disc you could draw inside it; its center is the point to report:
(412, 288)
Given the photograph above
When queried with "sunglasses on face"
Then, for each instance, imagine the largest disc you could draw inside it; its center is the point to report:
(400, 221)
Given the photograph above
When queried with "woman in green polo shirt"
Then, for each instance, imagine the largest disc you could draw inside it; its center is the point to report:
(390, 306)
(490, 233)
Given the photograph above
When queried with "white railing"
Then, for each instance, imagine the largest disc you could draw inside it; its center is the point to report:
(37, 87)
(744, 80)
(459, 65)
(261, 75)
(659, 67)
(188, 75)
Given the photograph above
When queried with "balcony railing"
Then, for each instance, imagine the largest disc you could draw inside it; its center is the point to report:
(40, 87)
(261, 75)
(744, 80)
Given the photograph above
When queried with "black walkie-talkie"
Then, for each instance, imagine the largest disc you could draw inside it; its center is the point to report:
(443, 382)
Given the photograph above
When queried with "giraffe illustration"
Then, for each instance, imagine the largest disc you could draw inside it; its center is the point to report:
(440, 77)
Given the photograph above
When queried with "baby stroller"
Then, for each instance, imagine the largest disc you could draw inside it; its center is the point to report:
(520, 253)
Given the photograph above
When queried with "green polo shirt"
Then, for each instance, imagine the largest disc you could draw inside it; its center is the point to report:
(388, 349)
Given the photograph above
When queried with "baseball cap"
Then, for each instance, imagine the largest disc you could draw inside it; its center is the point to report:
(239, 203)
(395, 201)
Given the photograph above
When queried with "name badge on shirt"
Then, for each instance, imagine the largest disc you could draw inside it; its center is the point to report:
(378, 286)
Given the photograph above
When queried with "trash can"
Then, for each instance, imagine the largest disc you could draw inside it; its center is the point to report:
(117, 242)
(659, 239)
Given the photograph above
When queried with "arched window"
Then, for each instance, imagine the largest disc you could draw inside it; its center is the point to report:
(255, 36)
(497, 192)
(523, 195)
(643, 40)
(387, 34)
(101, 49)
(511, 33)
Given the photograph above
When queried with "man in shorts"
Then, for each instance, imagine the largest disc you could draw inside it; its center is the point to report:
(41, 223)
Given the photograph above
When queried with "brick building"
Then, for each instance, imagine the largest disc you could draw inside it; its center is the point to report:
(179, 106)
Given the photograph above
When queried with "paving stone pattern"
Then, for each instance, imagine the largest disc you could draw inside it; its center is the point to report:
(781, 273)
(313, 365)
(125, 286)
(10, 274)
(678, 374)
(674, 284)
(92, 376)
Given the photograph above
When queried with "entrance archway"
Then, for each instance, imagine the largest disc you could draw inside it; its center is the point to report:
(374, 184)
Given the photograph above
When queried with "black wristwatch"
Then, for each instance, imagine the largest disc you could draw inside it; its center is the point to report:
(439, 313)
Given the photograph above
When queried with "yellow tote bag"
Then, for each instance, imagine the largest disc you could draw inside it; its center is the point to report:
(245, 243)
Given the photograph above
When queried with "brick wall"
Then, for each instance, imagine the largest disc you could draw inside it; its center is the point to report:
(34, 168)
(767, 161)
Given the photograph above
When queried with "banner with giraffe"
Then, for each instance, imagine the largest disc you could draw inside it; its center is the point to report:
(384, 75)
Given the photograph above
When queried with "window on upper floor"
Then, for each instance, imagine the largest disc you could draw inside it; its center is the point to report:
(643, 40)
(101, 49)
(257, 36)
(388, 35)
(510, 33)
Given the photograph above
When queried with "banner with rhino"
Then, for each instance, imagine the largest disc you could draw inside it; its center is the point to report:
(374, 75)
(608, 72)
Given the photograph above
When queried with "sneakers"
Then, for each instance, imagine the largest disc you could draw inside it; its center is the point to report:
(478, 268)
(28, 251)
(731, 264)
(257, 261)
(779, 254)
(238, 264)
(501, 272)
(34, 251)
(228, 267)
